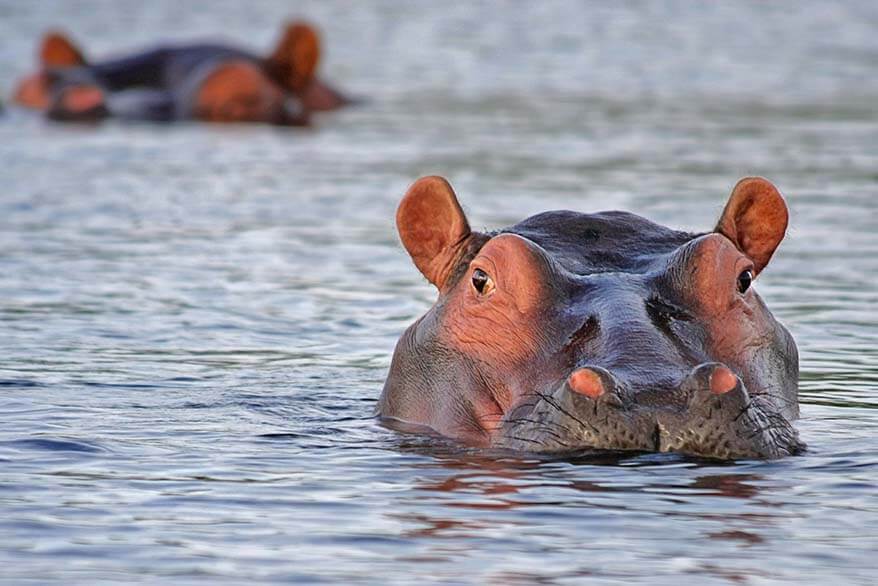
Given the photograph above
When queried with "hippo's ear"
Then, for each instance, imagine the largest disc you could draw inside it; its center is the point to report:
(57, 50)
(295, 57)
(432, 227)
(755, 219)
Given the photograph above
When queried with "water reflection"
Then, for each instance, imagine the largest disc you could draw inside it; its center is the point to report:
(499, 477)
(460, 497)
(728, 485)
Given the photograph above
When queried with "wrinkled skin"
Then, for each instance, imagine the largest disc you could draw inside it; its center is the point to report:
(572, 331)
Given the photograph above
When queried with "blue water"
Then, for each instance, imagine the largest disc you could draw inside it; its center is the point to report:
(195, 322)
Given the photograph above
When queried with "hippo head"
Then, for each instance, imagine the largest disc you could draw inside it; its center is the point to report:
(572, 331)
(56, 50)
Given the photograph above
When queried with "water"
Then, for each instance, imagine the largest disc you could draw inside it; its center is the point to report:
(196, 321)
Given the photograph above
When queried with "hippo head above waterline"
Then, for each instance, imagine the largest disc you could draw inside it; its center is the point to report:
(571, 331)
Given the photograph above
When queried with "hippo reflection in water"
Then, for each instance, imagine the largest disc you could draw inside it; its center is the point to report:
(572, 331)
(200, 81)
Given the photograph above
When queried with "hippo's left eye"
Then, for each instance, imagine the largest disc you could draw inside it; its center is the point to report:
(482, 282)
(744, 281)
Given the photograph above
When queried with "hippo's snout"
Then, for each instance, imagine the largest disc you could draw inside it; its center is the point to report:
(709, 413)
(724, 420)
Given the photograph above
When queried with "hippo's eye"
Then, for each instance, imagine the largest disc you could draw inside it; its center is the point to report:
(744, 280)
(482, 282)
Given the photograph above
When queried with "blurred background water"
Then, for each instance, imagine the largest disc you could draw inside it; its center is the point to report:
(195, 321)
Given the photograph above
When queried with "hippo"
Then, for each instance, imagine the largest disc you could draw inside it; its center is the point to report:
(201, 81)
(577, 332)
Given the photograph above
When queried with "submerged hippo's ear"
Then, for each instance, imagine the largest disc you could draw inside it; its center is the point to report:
(432, 227)
(295, 57)
(755, 219)
(57, 50)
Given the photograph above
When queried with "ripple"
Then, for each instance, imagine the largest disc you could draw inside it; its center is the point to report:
(53, 445)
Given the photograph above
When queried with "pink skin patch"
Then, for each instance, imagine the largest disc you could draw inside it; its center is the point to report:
(237, 91)
(722, 380)
(82, 99)
(586, 382)
(32, 92)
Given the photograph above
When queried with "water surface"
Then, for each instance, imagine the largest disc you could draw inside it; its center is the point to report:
(195, 322)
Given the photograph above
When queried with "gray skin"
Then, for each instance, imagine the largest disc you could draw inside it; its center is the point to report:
(650, 311)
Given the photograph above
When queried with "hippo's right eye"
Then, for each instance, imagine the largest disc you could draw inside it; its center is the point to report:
(482, 283)
(744, 281)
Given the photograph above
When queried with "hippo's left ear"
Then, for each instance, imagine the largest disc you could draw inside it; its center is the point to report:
(755, 219)
(433, 228)
(57, 50)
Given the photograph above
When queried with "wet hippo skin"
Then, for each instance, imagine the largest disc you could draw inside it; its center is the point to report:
(571, 331)
(208, 82)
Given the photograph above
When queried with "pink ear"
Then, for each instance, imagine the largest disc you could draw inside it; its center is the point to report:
(432, 227)
(57, 50)
(294, 60)
(755, 219)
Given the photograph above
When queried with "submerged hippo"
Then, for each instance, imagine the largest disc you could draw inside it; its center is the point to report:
(570, 331)
(200, 81)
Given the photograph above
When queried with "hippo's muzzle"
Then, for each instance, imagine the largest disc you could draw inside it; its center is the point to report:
(709, 413)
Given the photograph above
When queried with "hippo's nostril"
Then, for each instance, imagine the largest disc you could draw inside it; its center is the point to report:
(722, 380)
(712, 378)
(597, 384)
(586, 382)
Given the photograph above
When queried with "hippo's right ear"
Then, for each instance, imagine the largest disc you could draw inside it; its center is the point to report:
(433, 228)
(295, 58)
(755, 219)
